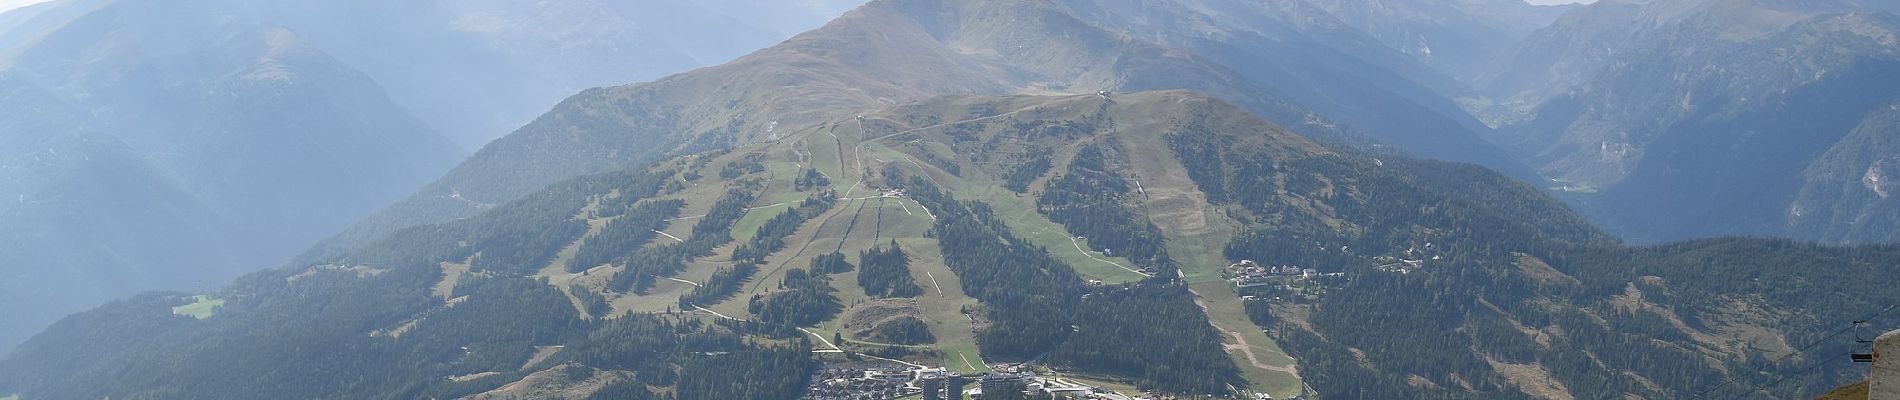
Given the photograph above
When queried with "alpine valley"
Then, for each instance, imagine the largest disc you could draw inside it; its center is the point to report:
(175, 145)
(1190, 198)
(1688, 119)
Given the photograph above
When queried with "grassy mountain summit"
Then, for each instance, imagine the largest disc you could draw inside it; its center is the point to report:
(479, 69)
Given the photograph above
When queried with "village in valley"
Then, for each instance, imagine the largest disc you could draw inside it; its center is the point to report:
(1254, 281)
(891, 381)
(1251, 280)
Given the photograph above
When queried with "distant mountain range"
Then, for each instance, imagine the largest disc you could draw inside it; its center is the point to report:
(158, 146)
(1694, 119)
(1454, 36)
(173, 145)
(900, 184)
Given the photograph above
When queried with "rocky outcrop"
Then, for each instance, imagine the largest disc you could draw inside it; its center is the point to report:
(1884, 379)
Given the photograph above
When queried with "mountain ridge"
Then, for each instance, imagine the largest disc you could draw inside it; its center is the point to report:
(1494, 253)
(893, 51)
(970, 184)
(219, 139)
(1639, 132)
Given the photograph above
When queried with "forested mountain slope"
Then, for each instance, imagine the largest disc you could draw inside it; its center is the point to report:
(1847, 193)
(1087, 233)
(577, 263)
(895, 51)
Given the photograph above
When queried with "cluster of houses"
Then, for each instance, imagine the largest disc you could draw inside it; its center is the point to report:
(1247, 273)
(1412, 259)
(889, 382)
(859, 383)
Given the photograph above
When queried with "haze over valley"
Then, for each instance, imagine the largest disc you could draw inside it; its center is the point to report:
(999, 199)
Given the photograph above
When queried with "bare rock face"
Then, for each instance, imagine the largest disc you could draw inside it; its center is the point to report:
(1880, 175)
(1885, 378)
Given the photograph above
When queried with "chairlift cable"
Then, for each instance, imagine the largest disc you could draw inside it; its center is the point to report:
(1802, 350)
(1785, 378)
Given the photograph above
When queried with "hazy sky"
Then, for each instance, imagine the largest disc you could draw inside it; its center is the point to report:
(12, 4)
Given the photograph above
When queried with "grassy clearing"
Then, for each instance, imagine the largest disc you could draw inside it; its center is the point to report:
(859, 225)
(1200, 255)
(815, 237)
(556, 271)
(824, 154)
(1201, 260)
(665, 293)
(1197, 237)
(943, 312)
(954, 353)
(782, 175)
(1576, 189)
(748, 226)
(822, 236)
(1026, 223)
(1570, 186)
(202, 306)
(1097, 381)
(1226, 313)
(1020, 212)
(451, 276)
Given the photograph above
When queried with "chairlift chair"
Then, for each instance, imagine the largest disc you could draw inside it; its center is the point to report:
(1858, 338)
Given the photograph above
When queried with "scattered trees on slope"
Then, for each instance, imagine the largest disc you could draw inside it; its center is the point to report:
(1475, 299)
(830, 263)
(770, 237)
(1037, 305)
(805, 298)
(631, 230)
(810, 179)
(1089, 199)
(1150, 330)
(722, 284)
(885, 272)
(1035, 165)
(714, 229)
